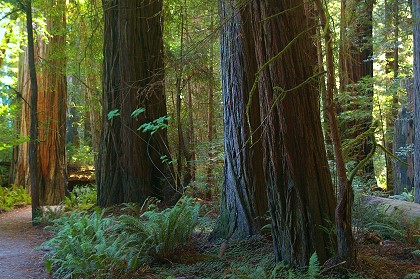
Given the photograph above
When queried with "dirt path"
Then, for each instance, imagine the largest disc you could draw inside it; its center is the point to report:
(17, 240)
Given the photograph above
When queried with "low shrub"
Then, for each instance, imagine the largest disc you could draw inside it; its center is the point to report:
(13, 196)
(92, 244)
(81, 198)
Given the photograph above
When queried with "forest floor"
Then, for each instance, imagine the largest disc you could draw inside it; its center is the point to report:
(198, 259)
(18, 238)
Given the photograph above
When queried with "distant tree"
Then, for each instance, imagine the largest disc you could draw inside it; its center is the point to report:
(244, 195)
(392, 22)
(132, 164)
(296, 171)
(50, 111)
(416, 32)
(356, 87)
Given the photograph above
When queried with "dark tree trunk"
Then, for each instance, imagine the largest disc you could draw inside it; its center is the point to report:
(343, 211)
(403, 139)
(416, 32)
(356, 67)
(210, 121)
(33, 158)
(300, 192)
(183, 172)
(244, 195)
(132, 164)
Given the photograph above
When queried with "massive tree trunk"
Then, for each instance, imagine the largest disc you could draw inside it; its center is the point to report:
(51, 113)
(416, 32)
(52, 110)
(132, 164)
(244, 195)
(356, 67)
(300, 192)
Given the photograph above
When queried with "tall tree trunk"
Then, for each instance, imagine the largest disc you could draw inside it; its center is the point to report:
(244, 195)
(402, 138)
(392, 67)
(343, 211)
(416, 33)
(33, 156)
(52, 108)
(356, 67)
(300, 192)
(191, 133)
(183, 153)
(133, 165)
(210, 120)
(50, 112)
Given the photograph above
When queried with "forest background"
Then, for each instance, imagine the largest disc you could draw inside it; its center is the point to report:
(365, 55)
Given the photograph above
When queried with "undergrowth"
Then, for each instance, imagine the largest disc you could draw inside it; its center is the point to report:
(82, 198)
(95, 245)
(13, 196)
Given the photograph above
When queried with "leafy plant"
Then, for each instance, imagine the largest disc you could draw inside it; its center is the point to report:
(81, 198)
(80, 156)
(13, 196)
(162, 232)
(92, 245)
(404, 196)
(83, 244)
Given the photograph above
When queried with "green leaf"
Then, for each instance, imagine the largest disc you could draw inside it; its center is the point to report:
(113, 113)
(137, 112)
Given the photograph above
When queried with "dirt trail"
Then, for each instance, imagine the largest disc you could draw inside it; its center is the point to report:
(17, 240)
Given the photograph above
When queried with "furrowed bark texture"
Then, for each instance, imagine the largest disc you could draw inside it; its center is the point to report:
(50, 112)
(300, 192)
(130, 163)
(244, 195)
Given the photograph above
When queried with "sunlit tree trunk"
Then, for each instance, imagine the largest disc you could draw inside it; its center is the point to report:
(50, 112)
(392, 66)
(52, 109)
(244, 195)
(132, 164)
(296, 171)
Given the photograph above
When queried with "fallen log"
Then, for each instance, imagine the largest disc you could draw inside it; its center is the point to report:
(408, 211)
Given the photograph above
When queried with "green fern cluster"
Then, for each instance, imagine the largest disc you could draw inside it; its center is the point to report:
(13, 196)
(91, 244)
(281, 271)
(81, 198)
(162, 232)
(83, 245)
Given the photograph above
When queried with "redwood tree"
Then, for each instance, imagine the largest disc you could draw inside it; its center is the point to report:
(244, 195)
(300, 193)
(50, 111)
(132, 164)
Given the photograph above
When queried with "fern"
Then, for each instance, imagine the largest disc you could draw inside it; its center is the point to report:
(313, 268)
(412, 276)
